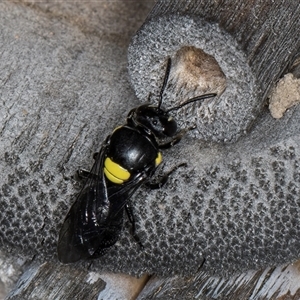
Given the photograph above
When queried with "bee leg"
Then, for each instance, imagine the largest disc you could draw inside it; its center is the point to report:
(95, 155)
(177, 138)
(82, 174)
(149, 97)
(164, 178)
(131, 218)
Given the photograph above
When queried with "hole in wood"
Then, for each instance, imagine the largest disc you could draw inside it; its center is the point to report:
(195, 71)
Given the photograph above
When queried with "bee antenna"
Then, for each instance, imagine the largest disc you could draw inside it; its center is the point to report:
(164, 83)
(198, 98)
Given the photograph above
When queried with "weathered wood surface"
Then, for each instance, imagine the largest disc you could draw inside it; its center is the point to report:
(47, 130)
(267, 31)
(277, 283)
(56, 281)
(10, 271)
(57, 63)
(253, 44)
(50, 281)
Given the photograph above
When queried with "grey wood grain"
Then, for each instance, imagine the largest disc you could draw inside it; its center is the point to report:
(64, 87)
(252, 41)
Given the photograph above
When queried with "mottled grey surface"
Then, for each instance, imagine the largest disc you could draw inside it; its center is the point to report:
(220, 119)
(65, 86)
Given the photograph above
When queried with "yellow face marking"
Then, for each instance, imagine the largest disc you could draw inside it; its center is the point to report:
(158, 159)
(114, 172)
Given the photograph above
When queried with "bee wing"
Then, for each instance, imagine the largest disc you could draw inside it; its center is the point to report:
(95, 220)
(80, 229)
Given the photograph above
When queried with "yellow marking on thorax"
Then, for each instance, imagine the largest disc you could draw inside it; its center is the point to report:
(114, 172)
(158, 159)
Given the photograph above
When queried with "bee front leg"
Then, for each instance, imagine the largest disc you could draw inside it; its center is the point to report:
(164, 178)
(177, 138)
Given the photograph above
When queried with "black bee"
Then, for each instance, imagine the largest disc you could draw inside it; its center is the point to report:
(127, 159)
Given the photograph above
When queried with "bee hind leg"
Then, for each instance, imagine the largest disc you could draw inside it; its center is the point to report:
(131, 218)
